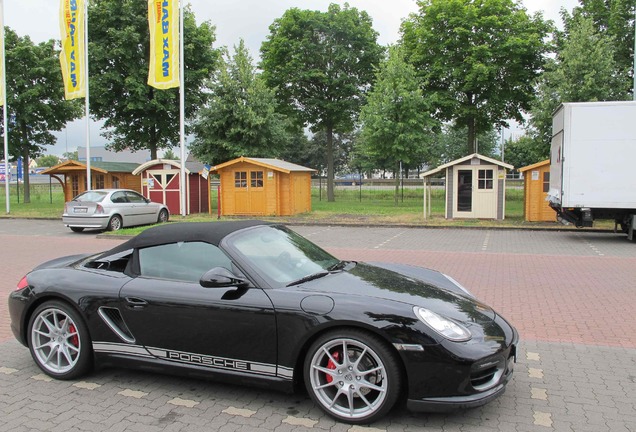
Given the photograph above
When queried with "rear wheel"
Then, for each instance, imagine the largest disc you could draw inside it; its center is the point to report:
(163, 216)
(59, 341)
(353, 376)
(115, 223)
(77, 229)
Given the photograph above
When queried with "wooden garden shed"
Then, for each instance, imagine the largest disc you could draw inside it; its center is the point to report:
(475, 187)
(72, 175)
(535, 187)
(160, 179)
(263, 187)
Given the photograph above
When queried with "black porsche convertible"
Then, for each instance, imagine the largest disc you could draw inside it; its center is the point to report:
(254, 302)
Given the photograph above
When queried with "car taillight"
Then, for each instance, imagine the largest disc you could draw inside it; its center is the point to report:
(22, 284)
(99, 209)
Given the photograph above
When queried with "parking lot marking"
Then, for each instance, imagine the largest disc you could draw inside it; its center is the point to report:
(7, 371)
(241, 412)
(42, 377)
(389, 240)
(535, 373)
(484, 245)
(86, 385)
(183, 402)
(539, 393)
(132, 393)
(365, 429)
(533, 356)
(543, 419)
(300, 421)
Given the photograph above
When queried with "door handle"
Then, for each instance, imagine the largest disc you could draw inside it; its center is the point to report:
(136, 303)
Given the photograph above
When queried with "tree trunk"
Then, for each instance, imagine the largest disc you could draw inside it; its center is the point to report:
(25, 175)
(396, 176)
(472, 138)
(330, 174)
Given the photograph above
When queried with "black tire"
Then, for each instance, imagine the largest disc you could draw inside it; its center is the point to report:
(77, 229)
(115, 223)
(163, 216)
(59, 341)
(349, 393)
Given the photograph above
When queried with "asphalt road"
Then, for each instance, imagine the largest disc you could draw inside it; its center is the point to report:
(570, 294)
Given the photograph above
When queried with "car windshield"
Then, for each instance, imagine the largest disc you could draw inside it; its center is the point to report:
(281, 256)
(91, 196)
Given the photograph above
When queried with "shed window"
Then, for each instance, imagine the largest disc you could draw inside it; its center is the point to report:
(99, 181)
(115, 182)
(240, 179)
(546, 181)
(75, 185)
(256, 178)
(485, 179)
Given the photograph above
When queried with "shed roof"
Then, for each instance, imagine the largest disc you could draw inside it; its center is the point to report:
(536, 165)
(464, 159)
(191, 165)
(275, 164)
(103, 167)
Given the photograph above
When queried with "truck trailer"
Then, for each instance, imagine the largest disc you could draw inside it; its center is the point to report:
(592, 164)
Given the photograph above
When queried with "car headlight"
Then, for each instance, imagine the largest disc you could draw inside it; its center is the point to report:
(444, 326)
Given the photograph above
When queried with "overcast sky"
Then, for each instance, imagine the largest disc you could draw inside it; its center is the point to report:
(234, 19)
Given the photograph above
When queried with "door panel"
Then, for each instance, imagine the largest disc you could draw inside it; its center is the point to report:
(464, 182)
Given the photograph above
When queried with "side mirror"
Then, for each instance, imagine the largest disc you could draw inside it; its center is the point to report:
(220, 277)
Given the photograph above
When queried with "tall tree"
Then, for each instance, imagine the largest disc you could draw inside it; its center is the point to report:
(136, 115)
(241, 117)
(321, 64)
(613, 18)
(35, 98)
(584, 70)
(478, 59)
(396, 121)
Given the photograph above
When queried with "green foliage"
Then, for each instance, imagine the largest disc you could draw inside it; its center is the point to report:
(71, 155)
(614, 19)
(321, 64)
(47, 161)
(170, 155)
(241, 118)
(450, 144)
(139, 116)
(524, 151)
(396, 121)
(584, 70)
(477, 59)
(35, 98)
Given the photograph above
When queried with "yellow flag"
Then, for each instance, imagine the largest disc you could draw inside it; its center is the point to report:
(73, 55)
(163, 20)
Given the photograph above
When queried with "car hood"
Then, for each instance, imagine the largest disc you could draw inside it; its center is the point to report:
(372, 281)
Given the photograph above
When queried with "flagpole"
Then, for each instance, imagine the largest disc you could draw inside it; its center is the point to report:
(88, 124)
(182, 183)
(7, 173)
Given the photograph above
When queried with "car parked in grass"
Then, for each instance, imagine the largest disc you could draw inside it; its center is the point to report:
(112, 209)
(255, 302)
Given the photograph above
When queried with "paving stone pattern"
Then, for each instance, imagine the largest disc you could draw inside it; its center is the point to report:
(571, 295)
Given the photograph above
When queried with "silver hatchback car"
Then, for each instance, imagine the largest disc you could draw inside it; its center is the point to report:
(112, 209)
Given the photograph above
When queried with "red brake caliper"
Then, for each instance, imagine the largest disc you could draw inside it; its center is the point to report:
(332, 365)
(74, 338)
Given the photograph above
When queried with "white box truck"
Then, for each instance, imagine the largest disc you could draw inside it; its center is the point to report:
(592, 163)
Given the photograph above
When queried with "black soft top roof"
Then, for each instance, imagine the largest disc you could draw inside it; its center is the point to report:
(209, 232)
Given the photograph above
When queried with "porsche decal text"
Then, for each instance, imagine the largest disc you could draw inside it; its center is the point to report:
(208, 361)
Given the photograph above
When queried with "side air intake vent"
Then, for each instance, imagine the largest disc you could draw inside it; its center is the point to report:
(113, 319)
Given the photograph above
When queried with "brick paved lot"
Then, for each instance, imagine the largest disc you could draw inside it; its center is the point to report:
(571, 295)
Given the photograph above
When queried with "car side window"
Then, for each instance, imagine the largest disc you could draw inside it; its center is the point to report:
(118, 197)
(134, 197)
(183, 261)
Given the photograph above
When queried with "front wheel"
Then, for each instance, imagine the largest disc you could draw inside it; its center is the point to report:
(115, 223)
(59, 341)
(353, 376)
(163, 216)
